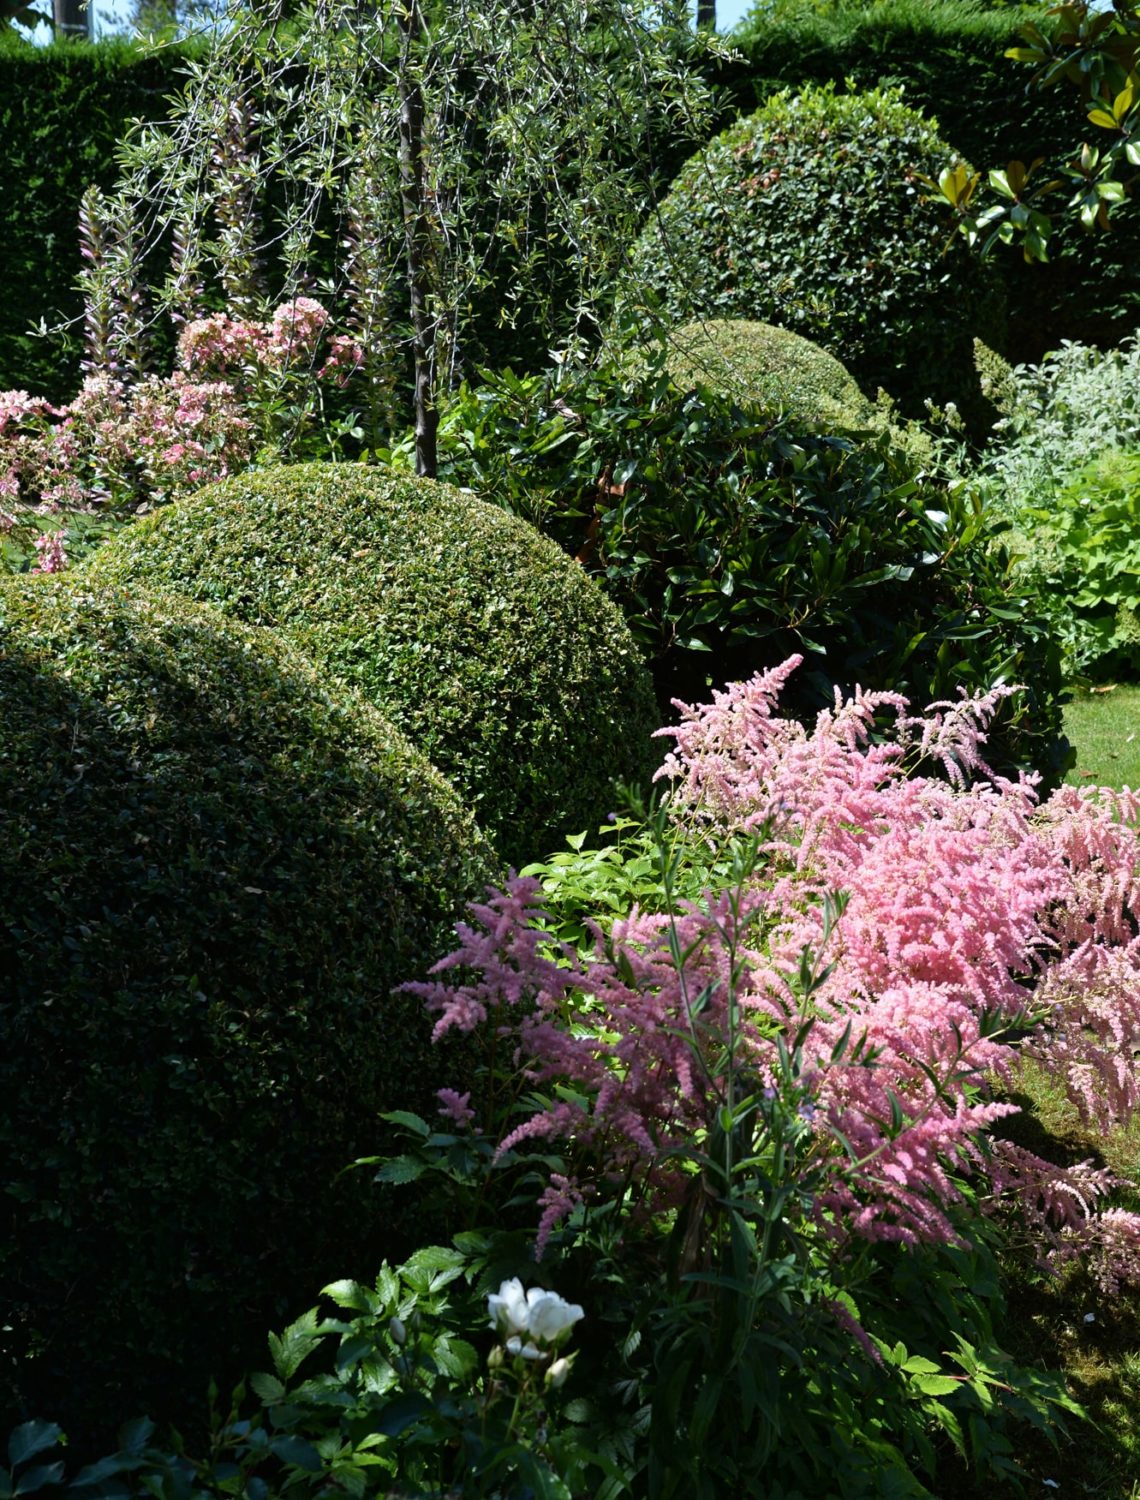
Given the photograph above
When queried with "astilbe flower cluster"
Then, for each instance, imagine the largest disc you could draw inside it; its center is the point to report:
(980, 926)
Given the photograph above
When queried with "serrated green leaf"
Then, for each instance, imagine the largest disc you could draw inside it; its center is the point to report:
(267, 1387)
(936, 1385)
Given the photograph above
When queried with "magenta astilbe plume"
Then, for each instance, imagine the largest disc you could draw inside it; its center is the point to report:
(978, 926)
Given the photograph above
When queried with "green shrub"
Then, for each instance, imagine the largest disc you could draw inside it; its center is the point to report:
(1085, 559)
(213, 871)
(732, 536)
(499, 659)
(948, 57)
(761, 364)
(808, 214)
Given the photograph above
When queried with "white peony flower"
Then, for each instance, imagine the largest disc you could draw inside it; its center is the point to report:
(544, 1316)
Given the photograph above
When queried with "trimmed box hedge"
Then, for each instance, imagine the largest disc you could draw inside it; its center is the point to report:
(215, 869)
(493, 651)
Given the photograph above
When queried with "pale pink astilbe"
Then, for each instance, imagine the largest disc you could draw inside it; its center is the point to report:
(969, 909)
(502, 945)
(1057, 1204)
(1093, 1035)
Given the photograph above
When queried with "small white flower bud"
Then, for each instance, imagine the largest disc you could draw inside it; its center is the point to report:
(397, 1332)
(556, 1375)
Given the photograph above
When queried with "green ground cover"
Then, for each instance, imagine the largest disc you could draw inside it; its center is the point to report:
(1103, 722)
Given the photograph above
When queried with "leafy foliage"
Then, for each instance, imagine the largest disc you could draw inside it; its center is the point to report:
(947, 55)
(385, 1389)
(214, 870)
(1087, 563)
(808, 214)
(63, 110)
(501, 661)
(689, 1071)
(731, 535)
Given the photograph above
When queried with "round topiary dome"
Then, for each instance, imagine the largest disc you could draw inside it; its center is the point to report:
(811, 214)
(214, 872)
(762, 364)
(501, 660)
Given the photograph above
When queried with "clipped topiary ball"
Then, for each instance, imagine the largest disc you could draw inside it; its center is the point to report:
(490, 648)
(760, 364)
(214, 870)
(810, 214)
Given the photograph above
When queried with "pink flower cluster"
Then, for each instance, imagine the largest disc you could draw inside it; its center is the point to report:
(134, 445)
(979, 927)
(241, 349)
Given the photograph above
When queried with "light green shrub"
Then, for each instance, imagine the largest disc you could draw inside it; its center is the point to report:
(489, 647)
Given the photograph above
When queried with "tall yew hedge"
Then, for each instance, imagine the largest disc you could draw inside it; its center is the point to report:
(63, 108)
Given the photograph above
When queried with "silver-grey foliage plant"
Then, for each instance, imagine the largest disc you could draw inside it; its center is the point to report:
(448, 150)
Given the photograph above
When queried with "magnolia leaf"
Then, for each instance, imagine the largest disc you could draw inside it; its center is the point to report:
(31, 1438)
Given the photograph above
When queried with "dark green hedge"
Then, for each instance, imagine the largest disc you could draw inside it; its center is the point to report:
(214, 869)
(947, 56)
(494, 652)
(63, 108)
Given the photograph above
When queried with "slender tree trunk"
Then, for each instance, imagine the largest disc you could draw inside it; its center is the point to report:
(706, 15)
(417, 240)
(71, 18)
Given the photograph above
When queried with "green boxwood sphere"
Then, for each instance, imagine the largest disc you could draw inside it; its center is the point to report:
(489, 647)
(811, 214)
(214, 872)
(763, 365)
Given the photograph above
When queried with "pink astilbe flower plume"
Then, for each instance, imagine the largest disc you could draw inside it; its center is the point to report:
(977, 927)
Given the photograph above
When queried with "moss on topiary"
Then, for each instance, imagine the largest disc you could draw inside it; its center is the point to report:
(760, 364)
(811, 214)
(493, 651)
(214, 870)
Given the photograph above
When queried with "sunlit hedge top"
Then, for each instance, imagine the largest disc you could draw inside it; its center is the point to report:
(762, 364)
(494, 652)
(215, 869)
(810, 214)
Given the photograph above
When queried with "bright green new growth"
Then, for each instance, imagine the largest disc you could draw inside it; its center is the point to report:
(215, 870)
(810, 214)
(490, 648)
(761, 364)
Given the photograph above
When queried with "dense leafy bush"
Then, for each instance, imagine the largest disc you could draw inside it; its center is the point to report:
(213, 871)
(948, 57)
(1085, 559)
(731, 536)
(809, 214)
(501, 661)
(1077, 403)
(762, 365)
(1059, 469)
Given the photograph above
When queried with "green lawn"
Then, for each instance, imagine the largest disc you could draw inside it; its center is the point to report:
(1104, 724)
